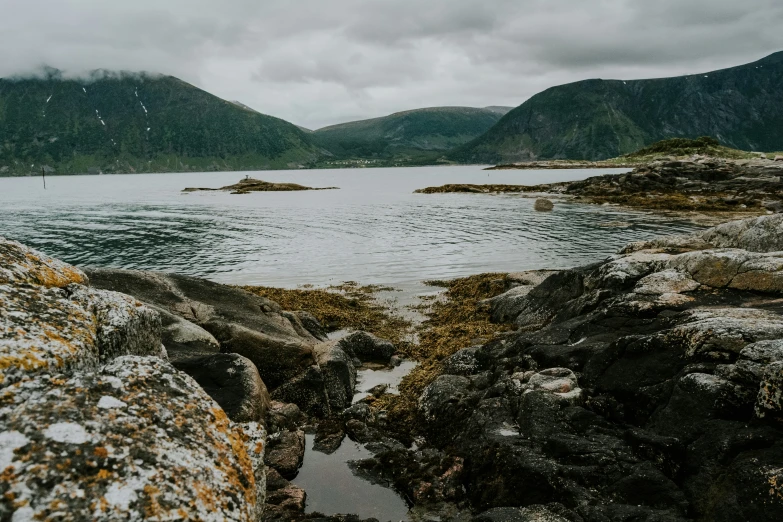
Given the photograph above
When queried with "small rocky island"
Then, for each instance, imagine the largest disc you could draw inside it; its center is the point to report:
(248, 185)
(646, 387)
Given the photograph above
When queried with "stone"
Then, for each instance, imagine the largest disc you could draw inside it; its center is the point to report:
(543, 205)
(136, 440)
(22, 264)
(285, 452)
(308, 391)
(242, 323)
(666, 281)
(284, 416)
(511, 514)
(67, 329)
(184, 339)
(761, 234)
(232, 381)
(367, 347)
(769, 403)
(338, 372)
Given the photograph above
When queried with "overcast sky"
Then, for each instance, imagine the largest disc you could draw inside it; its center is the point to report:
(319, 62)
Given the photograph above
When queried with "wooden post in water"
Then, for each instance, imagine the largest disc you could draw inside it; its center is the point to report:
(43, 176)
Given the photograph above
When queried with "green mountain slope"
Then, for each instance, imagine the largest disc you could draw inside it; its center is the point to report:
(599, 119)
(420, 133)
(137, 123)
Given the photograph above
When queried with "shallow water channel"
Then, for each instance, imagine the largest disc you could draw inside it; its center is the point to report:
(331, 486)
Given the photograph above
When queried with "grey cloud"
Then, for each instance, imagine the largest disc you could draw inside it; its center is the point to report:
(316, 63)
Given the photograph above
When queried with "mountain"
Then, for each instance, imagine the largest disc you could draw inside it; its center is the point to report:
(136, 123)
(408, 135)
(598, 119)
(500, 109)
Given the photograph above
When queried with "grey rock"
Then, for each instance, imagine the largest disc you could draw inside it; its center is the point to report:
(339, 373)
(367, 347)
(243, 323)
(138, 434)
(232, 381)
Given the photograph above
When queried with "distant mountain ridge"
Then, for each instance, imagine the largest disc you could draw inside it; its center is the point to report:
(599, 119)
(137, 123)
(408, 134)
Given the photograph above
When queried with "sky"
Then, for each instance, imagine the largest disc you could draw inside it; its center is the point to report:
(321, 62)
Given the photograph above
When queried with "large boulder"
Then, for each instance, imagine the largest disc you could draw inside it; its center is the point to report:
(242, 323)
(95, 424)
(232, 381)
(339, 374)
(136, 440)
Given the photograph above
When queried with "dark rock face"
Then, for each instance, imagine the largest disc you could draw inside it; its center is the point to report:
(367, 347)
(242, 323)
(647, 387)
(285, 452)
(232, 381)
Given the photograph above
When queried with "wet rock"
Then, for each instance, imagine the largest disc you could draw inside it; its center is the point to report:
(543, 205)
(367, 347)
(285, 452)
(284, 416)
(338, 372)
(284, 501)
(528, 514)
(312, 325)
(645, 387)
(329, 434)
(308, 391)
(135, 440)
(242, 323)
(232, 381)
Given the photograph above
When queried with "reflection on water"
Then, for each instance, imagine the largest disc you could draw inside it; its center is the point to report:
(333, 489)
(369, 378)
(372, 230)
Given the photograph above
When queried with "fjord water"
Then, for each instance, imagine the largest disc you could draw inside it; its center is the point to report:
(372, 230)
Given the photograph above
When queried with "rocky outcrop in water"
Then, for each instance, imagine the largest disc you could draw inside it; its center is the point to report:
(95, 423)
(248, 185)
(645, 387)
(699, 183)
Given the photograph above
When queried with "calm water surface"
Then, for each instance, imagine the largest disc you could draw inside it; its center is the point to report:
(373, 230)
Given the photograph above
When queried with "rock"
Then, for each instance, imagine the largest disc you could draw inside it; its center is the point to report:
(543, 205)
(762, 234)
(242, 323)
(367, 347)
(21, 264)
(232, 381)
(308, 391)
(644, 387)
(63, 330)
(95, 424)
(769, 403)
(778, 158)
(284, 500)
(184, 339)
(284, 416)
(528, 514)
(137, 440)
(329, 435)
(312, 325)
(285, 452)
(339, 373)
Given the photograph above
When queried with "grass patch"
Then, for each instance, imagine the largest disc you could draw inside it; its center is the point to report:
(705, 145)
(454, 322)
(347, 306)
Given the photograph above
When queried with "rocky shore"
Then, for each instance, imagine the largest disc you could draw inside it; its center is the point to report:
(248, 185)
(646, 387)
(699, 183)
